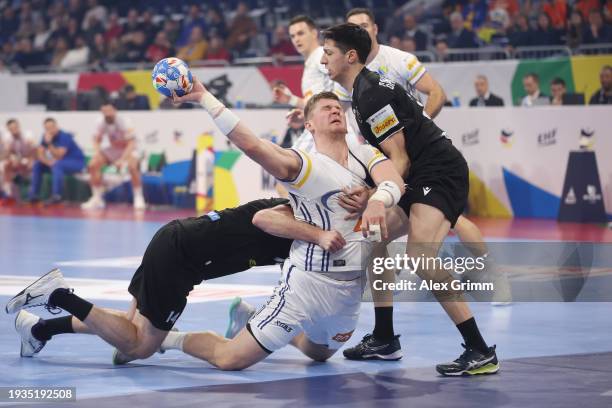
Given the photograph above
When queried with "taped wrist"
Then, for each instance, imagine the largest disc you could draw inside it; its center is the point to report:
(388, 192)
(224, 118)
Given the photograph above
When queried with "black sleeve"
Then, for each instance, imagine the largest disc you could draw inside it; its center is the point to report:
(382, 111)
(474, 101)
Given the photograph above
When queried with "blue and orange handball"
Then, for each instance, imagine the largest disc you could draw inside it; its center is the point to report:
(172, 74)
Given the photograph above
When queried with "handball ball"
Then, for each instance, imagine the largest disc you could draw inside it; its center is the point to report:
(172, 74)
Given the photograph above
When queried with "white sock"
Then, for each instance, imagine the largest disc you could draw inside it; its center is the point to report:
(138, 192)
(7, 187)
(97, 191)
(174, 341)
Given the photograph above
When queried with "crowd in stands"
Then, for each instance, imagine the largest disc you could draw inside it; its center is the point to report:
(68, 34)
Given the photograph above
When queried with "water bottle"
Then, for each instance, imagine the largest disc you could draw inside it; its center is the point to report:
(456, 101)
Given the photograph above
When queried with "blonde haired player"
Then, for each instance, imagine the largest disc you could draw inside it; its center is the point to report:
(121, 153)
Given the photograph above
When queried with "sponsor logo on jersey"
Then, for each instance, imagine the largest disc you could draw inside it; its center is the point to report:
(339, 262)
(343, 337)
(283, 326)
(383, 120)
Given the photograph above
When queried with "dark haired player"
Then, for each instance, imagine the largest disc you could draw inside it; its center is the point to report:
(434, 170)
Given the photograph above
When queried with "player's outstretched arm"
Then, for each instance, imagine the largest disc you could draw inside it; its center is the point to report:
(279, 221)
(281, 163)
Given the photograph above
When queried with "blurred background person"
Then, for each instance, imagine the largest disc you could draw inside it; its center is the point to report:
(17, 156)
(484, 96)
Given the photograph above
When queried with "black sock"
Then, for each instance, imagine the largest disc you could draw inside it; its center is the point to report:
(70, 302)
(383, 327)
(471, 335)
(45, 329)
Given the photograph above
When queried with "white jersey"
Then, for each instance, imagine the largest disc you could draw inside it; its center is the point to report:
(314, 199)
(399, 66)
(21, 148)
(315, 78)
(119, 132)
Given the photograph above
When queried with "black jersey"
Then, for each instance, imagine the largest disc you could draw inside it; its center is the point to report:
(228, 242)
(382, 107)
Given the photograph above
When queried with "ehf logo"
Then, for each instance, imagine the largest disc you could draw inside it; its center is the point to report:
(548, 138)
(470, 138)
(506, 137)
(586, 138)
(591, 195)
(570, 198)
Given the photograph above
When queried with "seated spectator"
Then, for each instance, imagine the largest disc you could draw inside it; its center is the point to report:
(194, 19)
(131, 24)
(485, 97)
(133, 47)
(196, 47)
(521, 34)
(171, 29)
(77, 56)
(575, 30)
(217, 50)
(242, 29)
(19, 158)
(559, 95)
(160, 49)
(608, 11)
(281, 44)
(395, 42)
(585, 7)
(59, 154)
(411, 30)
(26, 56)
(604, 95)
(534, 97)
(408, 44)
(512, 7)
(59, 52)
(215, 23)
(130, 100)
(113, 28)
(556, 10)
(460, 36)
(441, 49)
(545, 34)
(120, 152)
(41, 35)
(98, 52)
(474, 13)
(597, 32)
(95, 10)
(147, 26)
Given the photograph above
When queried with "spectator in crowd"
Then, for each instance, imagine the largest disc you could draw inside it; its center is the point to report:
(521, 34)
(534, 97)
(603, 96)
(121, 152)
(281, 44)
(608, 11)
(59, 52)
(113, 28)
(78, 56)
(98, 52)
(411, 30)
(560, 96)
(196, 48)
(217, 50)
(59, 154)
(76, 9)
(131, 24)
(545, 33)
(147, 26)
(130, 100)
(597, 32)
(395, 42)
(160, 49)
(26, 56)
(41, 35)
(215, 23)
(194, 19)
(556, 10)
(441, 49)
(575, 30)
(460, 36)
(512, 7)
(585, 7)
(474, 13)
(242, 29)
(9, 24)
(171, 29)
(18, 158)
(133, 47)
(96, 11)
(484, 96)
(408, 44)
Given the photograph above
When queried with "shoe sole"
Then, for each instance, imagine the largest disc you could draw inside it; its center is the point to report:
(395, 356)
(21, 342)
(55, 274)
(488, 369)
(232, 317)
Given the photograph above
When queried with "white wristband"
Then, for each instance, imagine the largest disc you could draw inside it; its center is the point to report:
(388, 192)
(224, 118)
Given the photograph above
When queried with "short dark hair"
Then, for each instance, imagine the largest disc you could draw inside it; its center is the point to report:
(361, 10)
(535, 76)
(557, 81)
(11, 121)
(49, 120)
(316, 98)
(303, 18)
(350, 36)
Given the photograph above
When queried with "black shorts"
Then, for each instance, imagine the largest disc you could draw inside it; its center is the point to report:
(439, 178)
(163, 281)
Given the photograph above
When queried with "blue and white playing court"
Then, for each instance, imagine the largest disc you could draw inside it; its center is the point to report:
(552, 354)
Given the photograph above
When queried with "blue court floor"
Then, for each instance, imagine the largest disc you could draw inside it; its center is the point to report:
(552, 354)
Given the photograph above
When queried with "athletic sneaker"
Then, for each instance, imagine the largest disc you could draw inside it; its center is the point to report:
(120, 359)
(239, 314)
(471, 362)
(37, 293)
(30, 345)
(373, 349)
(94, 203)
(139, 202)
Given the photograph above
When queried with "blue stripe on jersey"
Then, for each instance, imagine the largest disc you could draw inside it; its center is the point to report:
(329, 228)
(281, 301)
(310, 246)
(325, 228)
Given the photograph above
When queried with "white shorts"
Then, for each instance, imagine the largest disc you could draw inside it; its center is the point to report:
(112, 154)
(325, 309)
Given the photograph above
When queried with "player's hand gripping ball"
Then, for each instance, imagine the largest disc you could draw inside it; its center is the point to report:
(172, 74)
